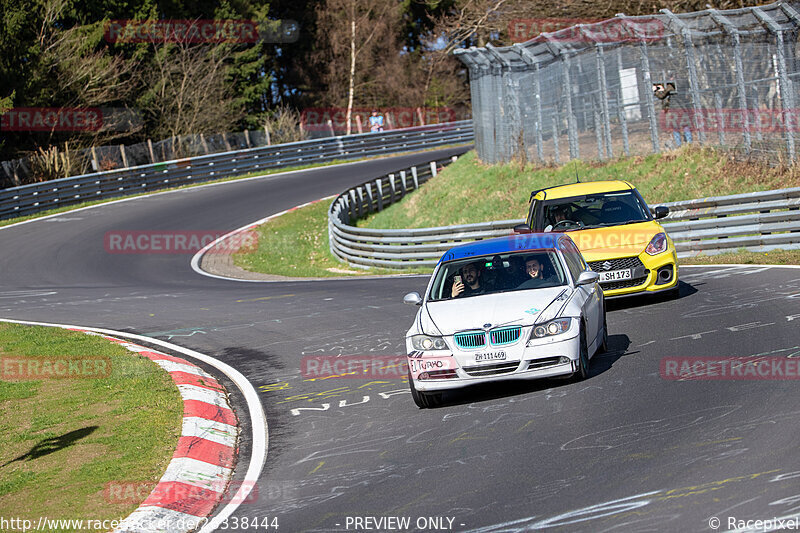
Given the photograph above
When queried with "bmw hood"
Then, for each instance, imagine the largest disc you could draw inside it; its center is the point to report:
(520, 308)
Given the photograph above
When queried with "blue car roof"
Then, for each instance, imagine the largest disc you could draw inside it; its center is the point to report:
(502, 245)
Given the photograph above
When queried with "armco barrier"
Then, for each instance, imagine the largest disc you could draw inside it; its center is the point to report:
(758, 221)
(29, 199)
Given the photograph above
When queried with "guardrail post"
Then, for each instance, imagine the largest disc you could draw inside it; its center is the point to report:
(370, 207)
(394, 189)
(403, 183)
(355, 209)
(379, 185)
(433, 169)
(414, 177)
(360, 201)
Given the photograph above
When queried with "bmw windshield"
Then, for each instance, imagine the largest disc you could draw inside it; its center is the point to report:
(531, 269)
(592, 211)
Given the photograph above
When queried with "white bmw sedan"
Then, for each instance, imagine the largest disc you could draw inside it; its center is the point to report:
(518, 307)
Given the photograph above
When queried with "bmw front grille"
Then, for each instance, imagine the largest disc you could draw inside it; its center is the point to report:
(504, 336)
(470, 339)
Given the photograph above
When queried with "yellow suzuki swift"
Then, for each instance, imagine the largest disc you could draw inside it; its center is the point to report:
(614, 229)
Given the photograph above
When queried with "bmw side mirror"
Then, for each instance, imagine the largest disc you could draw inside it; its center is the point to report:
(588, 277)
(522, 228)
(412, 298)
(660, 211)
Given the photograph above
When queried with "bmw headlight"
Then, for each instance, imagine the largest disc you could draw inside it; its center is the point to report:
(427, 342)
(658, 244)
(554, 327)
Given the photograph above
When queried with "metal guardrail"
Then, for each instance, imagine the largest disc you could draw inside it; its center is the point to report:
(29, 199)
(759, 221)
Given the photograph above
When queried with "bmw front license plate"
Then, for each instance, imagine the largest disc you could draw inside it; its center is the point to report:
(490, 356)
(616, 275)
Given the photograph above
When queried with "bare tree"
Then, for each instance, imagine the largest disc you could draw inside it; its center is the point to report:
(355, 37)
(188, 92)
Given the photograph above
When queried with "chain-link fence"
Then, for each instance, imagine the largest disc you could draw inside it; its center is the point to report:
(638, 85)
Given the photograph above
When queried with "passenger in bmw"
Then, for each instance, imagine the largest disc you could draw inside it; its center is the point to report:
(469, 282)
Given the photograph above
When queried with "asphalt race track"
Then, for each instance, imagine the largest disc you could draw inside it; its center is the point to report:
(625, 450)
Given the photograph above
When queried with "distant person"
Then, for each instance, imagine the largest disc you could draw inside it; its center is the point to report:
(375, 122)
(675, 114)
(469, 282)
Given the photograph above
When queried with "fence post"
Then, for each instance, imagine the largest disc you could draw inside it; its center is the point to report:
(598, 133)
(266, 132)
(733, 33)
(572, 128)
(530, 59)
(150, 149)
(651, 106)
(720, 118)
(95, 163)
(601, 64)
(247, 138)
(555, 136)
(787, 100)
(623, 120)
(124, 156)
(691, 65)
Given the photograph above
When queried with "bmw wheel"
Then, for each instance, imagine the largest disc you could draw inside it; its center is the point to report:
(424, 400)
(583, 358)
(604, 343)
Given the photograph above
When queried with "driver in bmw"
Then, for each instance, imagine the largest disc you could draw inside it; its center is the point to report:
(469, 282)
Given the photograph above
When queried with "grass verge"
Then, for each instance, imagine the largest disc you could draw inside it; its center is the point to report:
(296, 244)
(469, 191)
(63, 440)
(775, 257)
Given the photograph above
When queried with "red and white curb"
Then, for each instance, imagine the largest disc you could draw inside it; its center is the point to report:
(204, 410)
(202, 465)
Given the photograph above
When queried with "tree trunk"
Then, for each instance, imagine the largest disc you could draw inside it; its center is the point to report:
(352, 66)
